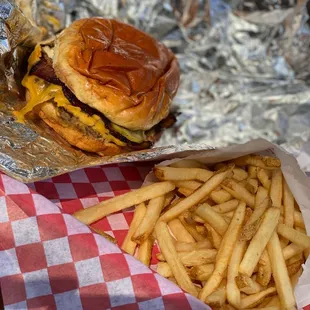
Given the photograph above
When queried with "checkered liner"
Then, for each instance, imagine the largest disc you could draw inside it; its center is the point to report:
(48, 259)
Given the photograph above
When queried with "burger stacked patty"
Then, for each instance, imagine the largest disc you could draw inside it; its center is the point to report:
(45, 71)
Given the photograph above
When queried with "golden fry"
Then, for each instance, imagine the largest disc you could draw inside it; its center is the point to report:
(197, 196)
(224, 254)
(225, 207)
(198, 257)
(298, 220)
(169, 198)
(201, 230)
(294, 235)
(264, 269)
(251, 226)
(187, 247)
(294, 267)
(280, 273)
(218, 297)
(247, 285)
(202, 272)
(288, 205)
(185, 192)
(252, 171)
(95, 213)
(239, 192)
(220, 196)
(182, 174)
(263, 177)
(180, 232)
(128, 245)
(239, 174)
(252, 185)
(197, 219)
(307, 250)
(160, 257)
(295, 277)
(164, 270)
(276, 188)
(213, 218)
(191, 228)
(233, 292)
(214, 237)
(253, 300)
(149, 220)
(192, 185)
(291, 250)
(145, 251)
(258, 161)
(261, 195)
(166, 245)
(259, 241)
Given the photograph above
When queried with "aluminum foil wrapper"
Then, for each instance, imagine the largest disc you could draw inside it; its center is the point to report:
(244, 75)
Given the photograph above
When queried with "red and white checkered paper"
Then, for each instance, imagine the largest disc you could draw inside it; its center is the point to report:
(49, 260)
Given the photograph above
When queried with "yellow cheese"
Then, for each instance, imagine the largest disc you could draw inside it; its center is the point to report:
(40, 91)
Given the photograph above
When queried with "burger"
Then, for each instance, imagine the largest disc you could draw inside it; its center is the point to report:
(103, 86)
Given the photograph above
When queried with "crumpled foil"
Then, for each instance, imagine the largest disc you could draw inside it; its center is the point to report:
(244, 75)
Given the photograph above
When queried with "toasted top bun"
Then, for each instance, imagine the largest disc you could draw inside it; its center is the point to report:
(118, 70)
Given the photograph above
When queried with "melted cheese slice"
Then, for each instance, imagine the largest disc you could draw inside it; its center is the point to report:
(40, 91)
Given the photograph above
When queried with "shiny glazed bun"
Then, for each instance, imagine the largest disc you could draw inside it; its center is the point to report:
(118, 70)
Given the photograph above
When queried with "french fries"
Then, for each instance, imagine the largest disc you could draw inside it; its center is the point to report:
(95, 213)
(294, 236)
(252, 171)
(224, 253)
(149, 220)
(239, 174)
(129, 245)
(259, 241)
(255, 299)
(180, 232)
(164, 270)
(182, 174)
(288, 205)
(233, 292)
(192, 185)
(197, 257)
(264, 269)
(276, 188)
(202, 272)
(263, 177)
(247, 285)
(225, 207)
(239, 192)
(234, 236)
(218, 297)
(188, 247)
(197, 196)
(191, 229)
(215, 238)
(280, 273)
(213, 218)
(178, 270)
(145, 251)
(220, 196)
(258, 161)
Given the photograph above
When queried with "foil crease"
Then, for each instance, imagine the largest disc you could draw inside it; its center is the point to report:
(244, 75)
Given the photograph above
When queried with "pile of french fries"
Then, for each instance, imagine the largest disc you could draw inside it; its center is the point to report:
(233, 235)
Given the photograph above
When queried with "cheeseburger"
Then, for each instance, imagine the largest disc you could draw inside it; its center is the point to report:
(104, 86)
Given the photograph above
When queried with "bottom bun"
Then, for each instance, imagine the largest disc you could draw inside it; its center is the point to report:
(73, 135)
